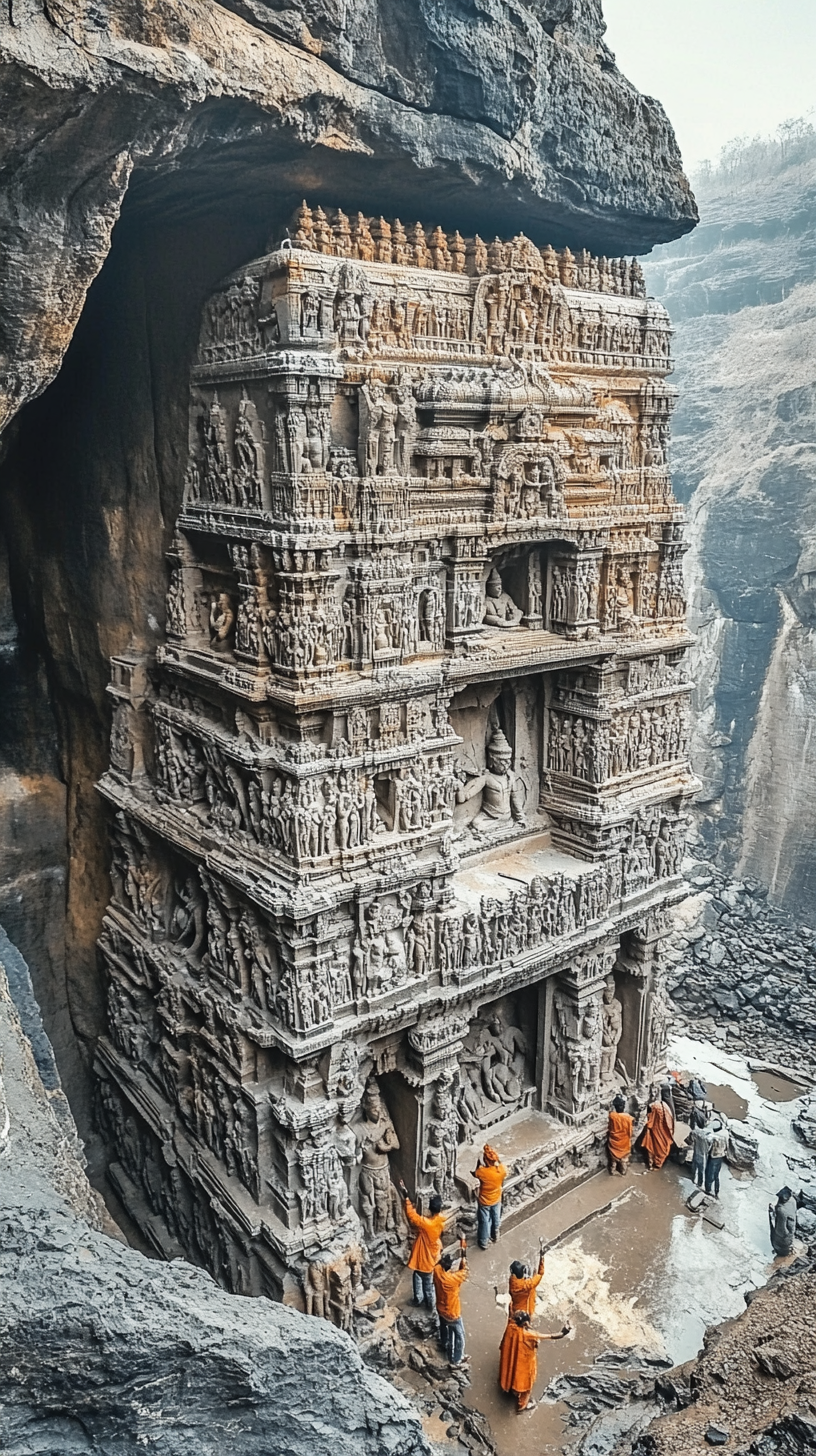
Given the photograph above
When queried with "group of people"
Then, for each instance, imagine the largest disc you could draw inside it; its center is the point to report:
(708, 1138)
(438, 1280)
(438, 1277)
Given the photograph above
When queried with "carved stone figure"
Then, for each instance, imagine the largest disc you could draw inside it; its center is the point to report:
(500, 609)
(222, 622)
(611, 1032)
(377, 1139)
(501, 800)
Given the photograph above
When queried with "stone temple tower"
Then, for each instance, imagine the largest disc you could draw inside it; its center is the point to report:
(398, 808)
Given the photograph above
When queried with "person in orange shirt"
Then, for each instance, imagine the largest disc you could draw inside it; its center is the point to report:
(523, 1285)
(447, 1284)
(490, 1175)
(618, 1137)
(518, 1358)
(427, 1246)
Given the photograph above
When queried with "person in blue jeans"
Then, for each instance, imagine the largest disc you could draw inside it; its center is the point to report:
(490, 1175)
(717, 1138)
(447, 1285)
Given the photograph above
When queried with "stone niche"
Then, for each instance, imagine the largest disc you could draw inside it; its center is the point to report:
(397, 807)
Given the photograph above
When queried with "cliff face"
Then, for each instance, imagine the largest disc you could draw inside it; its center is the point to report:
(148, 151)
(102, 1349)
(742, 296)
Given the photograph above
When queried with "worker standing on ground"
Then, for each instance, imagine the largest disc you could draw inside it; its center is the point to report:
(447, 1286)
(427, 1246)
(657, 1138)
(699, 1145)
(523, 1284)
(618, 1137)
(782, 1216)
(518, 1358)
(490, 1174)
(717, 1145)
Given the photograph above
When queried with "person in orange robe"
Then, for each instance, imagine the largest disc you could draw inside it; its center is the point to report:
(657, 1138)
(518, 1358)
(427, 1246)
(523, 1285)
(490, 1175)
(619, 1137)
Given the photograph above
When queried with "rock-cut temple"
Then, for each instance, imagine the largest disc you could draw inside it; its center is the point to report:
(398, 807)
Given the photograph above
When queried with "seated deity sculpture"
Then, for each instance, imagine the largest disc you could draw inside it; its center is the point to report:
(502, 801)
(222, 620)
(500, 609)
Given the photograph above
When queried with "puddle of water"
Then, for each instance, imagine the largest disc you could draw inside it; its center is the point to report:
(727, 1100)
(776, 1088)
(647, 1273)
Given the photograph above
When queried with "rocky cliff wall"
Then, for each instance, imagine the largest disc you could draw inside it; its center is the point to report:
(102, 1349)
(475, 112)
(148, 151)
(742, 295)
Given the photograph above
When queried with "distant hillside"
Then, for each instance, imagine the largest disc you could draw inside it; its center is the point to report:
(742, 293)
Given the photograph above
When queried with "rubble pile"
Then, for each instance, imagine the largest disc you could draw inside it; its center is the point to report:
(744, 971)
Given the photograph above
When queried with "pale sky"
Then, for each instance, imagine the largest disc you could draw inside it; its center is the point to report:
(721, 68)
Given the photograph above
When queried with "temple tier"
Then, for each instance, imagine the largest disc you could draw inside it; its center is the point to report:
(398, 808)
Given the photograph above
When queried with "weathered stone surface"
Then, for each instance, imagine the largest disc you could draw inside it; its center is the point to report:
(102, 1349)
(743, 299)
(520, 114)
(427, 525)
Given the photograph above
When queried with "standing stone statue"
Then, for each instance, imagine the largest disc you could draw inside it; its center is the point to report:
(612, 1031)
(377, 1138)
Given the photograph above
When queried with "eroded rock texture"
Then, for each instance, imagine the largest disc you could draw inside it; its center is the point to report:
(102, 1349)
(743, 300)
(180, 136)
(520, 113)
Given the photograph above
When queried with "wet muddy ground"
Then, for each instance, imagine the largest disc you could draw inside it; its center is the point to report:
(644, 1272)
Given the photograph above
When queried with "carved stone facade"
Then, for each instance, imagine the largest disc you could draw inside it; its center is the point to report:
(398, 809)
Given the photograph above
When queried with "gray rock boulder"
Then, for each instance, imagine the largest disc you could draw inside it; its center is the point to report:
(104, 1350)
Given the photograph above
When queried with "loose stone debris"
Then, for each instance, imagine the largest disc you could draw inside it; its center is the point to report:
(744, 972)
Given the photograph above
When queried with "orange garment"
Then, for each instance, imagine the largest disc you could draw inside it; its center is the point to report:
(523, 1292)
(658, 1135)
(518, 1359)
(619, 1136)
(490, 1179)
(447, 1283)
(428, 1241)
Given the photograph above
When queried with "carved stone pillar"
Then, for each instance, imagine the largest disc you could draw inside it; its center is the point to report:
(465, 593)
(130, 728)
(573, 1086)
(574, 588)
(435, 1046)
(641, 981)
